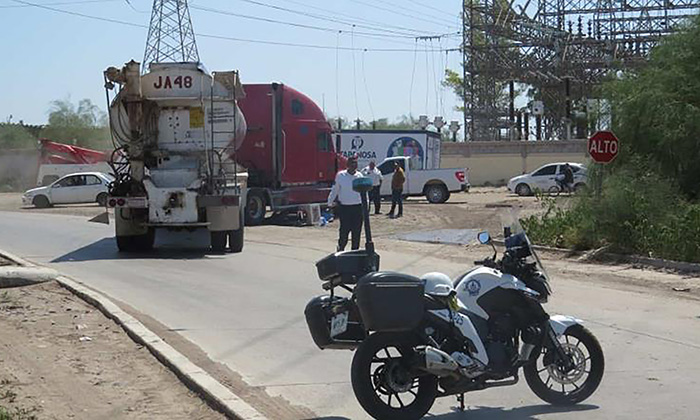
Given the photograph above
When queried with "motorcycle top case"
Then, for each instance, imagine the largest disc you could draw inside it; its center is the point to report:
(347, 265)
(390, 302)
(319, 313)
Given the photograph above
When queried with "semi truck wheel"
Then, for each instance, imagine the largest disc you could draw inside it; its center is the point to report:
(255, 208)
(235, 240)
(218, 240)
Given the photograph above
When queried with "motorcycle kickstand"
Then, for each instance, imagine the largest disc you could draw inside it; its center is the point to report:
(460, 400)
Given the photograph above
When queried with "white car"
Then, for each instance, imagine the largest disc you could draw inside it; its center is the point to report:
(83, 187)
(545, 178)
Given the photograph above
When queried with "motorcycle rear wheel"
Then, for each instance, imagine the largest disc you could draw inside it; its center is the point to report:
(381, 380)
(554, 384)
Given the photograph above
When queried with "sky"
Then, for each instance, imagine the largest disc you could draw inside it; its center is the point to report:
(49, 55)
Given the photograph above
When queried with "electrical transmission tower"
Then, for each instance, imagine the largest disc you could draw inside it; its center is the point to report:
(558, 51)
(170, 35)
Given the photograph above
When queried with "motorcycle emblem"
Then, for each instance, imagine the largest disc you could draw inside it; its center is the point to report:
(473, 287)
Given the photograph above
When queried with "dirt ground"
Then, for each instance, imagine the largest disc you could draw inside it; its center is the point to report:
(477, 209)
(62, 359)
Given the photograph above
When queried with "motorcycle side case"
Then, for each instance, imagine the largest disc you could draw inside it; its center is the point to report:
(390, 302)
(320, 311)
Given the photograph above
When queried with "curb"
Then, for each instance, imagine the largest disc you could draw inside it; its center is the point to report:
(17, 276)
(17, 260)
(190, 374)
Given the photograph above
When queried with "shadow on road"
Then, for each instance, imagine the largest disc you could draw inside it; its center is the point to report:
(498, 413)
(529, 412)
(106, 249)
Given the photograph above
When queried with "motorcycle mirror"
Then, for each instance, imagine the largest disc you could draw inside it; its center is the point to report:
(362, 185)
(484, 237)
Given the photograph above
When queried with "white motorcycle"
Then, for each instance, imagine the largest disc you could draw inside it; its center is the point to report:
(418, 339)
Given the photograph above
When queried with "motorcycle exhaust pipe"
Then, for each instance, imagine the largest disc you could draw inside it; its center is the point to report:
(438, 362)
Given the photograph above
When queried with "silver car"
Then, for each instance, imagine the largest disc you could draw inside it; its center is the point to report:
(83, 187)
(545, 178)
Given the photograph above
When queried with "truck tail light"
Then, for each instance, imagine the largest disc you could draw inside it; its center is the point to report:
(121, 202)
(112, 202)
(460, 176)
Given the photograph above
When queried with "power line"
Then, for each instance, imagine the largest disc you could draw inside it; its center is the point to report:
(62, 3)
(357, 19)
(135, 9)
(220, 37)
(403, 7)
(354, 75)
(296, 25)
(422, 19)
(314, 16)
(432, 8)
(364, 79)
(413, 75)
(337, 75)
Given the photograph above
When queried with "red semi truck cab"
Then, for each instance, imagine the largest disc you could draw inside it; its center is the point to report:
(288, 150)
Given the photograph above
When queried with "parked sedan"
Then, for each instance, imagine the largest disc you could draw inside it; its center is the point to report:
(545, 177)
(84, 187)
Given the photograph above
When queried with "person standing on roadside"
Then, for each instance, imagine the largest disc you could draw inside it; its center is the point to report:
(397, 181)
(373, 172)
(568, 178)
(349, 205)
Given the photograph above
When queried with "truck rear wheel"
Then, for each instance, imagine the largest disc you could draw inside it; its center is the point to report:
(235, 238)
(255, 208)
(218, 240)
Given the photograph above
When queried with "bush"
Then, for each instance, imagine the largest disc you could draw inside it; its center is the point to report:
(637, 212)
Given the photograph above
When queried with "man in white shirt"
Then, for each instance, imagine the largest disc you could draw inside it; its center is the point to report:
(349, 205)
(373, 172)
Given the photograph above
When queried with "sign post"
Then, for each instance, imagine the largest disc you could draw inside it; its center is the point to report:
(603, 147)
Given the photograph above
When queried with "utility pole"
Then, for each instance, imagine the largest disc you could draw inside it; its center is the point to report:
(170, 35)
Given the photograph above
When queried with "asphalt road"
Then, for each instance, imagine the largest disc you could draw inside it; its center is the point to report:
(246, 311)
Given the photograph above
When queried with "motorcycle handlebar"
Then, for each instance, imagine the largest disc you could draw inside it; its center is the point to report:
(487, 262)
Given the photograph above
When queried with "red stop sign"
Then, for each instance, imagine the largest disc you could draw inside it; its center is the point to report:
(603, 146)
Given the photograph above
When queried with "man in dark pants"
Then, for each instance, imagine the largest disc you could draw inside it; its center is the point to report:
(375, 197)
(349, 208)
(397, 181)
(568, 178)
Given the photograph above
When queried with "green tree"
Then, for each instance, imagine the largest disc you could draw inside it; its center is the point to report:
(16, 136)
(656, 110)
(83, 125)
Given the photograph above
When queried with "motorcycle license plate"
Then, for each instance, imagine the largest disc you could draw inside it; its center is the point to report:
(339, 324)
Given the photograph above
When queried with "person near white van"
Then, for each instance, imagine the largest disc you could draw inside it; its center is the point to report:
(373, 172)
(349, 207)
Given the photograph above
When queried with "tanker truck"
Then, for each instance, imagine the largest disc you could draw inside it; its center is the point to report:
(176, 129)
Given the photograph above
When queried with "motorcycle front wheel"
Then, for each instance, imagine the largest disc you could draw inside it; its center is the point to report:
(553, 383)
(382, 379)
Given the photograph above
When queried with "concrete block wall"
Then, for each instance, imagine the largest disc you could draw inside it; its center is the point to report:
(497, 162)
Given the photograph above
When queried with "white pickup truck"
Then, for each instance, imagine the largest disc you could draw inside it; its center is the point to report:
(435, 184)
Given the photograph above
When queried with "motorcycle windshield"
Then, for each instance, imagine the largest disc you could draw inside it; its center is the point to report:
(518, 237)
